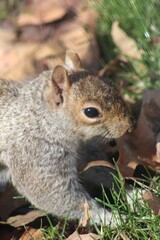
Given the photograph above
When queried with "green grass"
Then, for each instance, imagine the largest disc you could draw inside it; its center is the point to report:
(140, 223)
(140, 20)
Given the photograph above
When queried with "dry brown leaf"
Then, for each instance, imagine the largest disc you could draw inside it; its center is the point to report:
(6, 36)
(85, 220)
(112, 66)
(17, 62)
(152, 115)
(21, 220)
(99, 163)
(34, 33)
(158, 150)
(89, 236)
(71, 36)
(153, 201)
(123, 236)
(40, 12)
(32, 233)
(75, 37)
(139, 147)
(87, 16)
(20, 59)
(52, 52)
(126, 45)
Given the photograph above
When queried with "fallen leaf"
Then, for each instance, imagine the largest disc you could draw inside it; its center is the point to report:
(31, 233)
(99, 163)
(87, 16)
(158, 150)
(123, 236)
(126, 45)
(40, 12)
(141, 146)
(21, 220)
(17, 62)
(85, 220)
(73, 36)
(77, 236)
(21, 60)
(36, 33)
(6, 36)
(112, 66)
(153, 201)
(152, 114)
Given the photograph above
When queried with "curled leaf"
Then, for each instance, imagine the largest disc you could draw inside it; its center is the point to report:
(126, 45)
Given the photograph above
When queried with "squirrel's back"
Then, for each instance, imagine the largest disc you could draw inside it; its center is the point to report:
(14, 88)
(9, 88)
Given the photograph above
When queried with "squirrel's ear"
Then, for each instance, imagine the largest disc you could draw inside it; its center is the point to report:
(72, 60)
(60, 84)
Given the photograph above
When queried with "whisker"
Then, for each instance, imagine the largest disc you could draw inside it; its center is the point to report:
(103, 138)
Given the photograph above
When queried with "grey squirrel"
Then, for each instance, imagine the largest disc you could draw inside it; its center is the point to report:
(46, 124)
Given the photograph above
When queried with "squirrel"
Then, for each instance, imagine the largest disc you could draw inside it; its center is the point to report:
(47, 124)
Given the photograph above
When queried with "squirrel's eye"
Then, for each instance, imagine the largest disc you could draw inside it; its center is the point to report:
(91, 112)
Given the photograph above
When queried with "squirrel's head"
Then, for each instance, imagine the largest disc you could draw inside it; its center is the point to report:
(94, 107)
